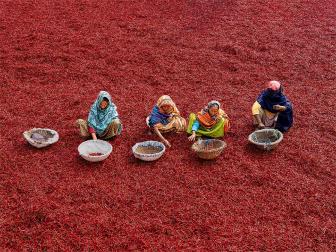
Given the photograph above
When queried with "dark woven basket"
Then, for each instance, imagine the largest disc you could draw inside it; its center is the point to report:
(208, 149)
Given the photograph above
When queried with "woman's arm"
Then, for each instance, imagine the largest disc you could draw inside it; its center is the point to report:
(255, 112)
(94, 137)
(93, 133)
(194, 128)
(279, 108)
(164, 140)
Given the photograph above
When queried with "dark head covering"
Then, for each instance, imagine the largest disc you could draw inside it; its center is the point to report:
(268, 98)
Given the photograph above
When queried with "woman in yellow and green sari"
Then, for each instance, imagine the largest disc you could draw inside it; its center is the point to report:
(211, 122)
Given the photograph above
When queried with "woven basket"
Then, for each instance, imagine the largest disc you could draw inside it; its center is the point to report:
(266, 139)
(148, 150)
(39, 137)
(95, 150)
(208, 149)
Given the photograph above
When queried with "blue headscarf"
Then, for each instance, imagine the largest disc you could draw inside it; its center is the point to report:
(268, 98)
(158, 116)
(99, 118)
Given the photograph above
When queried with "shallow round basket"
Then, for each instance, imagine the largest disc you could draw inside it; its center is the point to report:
(148, 150)
(208, 149)
(41, 137)
(95, 150)
(266, 139)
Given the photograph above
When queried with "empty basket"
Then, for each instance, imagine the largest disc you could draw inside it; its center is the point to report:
(40, 137)
(266, 139)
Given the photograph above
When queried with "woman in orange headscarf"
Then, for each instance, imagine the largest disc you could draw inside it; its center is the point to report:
(165, 117)
(212, 122)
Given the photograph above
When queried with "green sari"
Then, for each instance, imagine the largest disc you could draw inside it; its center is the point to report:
(215, 132)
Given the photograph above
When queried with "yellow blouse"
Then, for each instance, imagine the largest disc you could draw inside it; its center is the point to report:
(256, 109)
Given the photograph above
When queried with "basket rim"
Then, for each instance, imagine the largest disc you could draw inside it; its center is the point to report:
(135, 146)
(45, 129)
(266, 130)
(211, 150)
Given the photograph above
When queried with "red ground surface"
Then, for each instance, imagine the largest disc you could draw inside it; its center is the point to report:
(56, 56)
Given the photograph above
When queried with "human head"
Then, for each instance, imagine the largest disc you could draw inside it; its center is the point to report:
(274, 85)
(166, 104)
(104, 103)
(213, 107)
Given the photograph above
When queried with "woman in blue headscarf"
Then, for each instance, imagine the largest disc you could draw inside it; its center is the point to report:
(103, 120)
(272, 108)
(165, 117)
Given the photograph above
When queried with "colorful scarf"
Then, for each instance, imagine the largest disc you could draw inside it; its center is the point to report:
(204, 117)
(99, 119)
(268, 98)
(158, 116)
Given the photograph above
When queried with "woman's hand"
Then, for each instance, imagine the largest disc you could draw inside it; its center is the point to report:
(94, 136)
(259, 122)
(261, 125)
(166, 142)
(279, 108)
(192, 137)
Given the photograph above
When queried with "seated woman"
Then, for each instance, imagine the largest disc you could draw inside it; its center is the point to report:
(211, 122)
(272, 109)
(165, 117)
(103, 121)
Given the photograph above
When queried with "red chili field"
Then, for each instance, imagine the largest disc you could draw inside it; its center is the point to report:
(55, 56)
